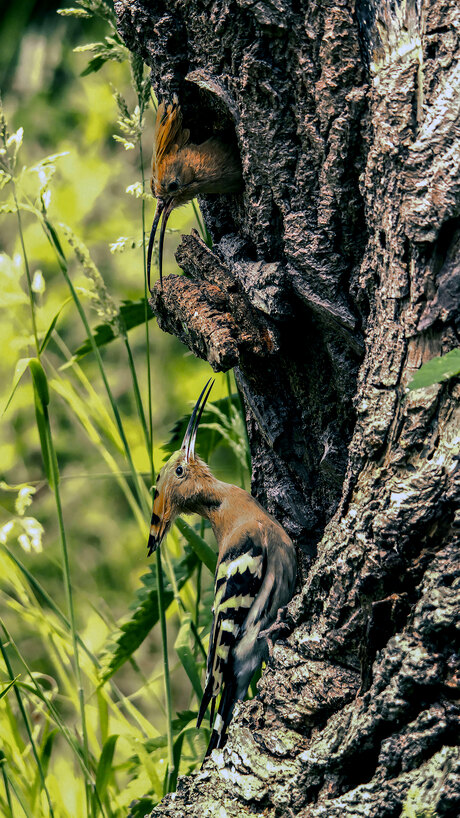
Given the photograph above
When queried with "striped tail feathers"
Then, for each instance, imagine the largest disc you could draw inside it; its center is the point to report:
(223, 717)
(239, 577)
(208, 691)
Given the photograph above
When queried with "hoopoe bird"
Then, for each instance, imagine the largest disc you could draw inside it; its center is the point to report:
(255, 573)
(181, 170)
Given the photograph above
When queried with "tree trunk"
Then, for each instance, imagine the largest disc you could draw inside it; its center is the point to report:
(331, 279)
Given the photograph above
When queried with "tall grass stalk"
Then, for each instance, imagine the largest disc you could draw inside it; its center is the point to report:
(91, 808)
(146, 318)
(149, 442)
(6, 784)
(105, 713)
(56, 245)
(24, 716)
(27, 268)
(52, 471)
(139, 406)
(166, 676)
(52, 236)
(35, 689)
(80, 412)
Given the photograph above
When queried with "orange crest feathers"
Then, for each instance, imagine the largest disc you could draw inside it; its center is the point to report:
(169, 136)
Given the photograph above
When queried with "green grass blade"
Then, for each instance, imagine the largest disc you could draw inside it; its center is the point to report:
(104, 767)
(185, 654)
(41, 401)
(53, 238)
(51, 327)
(43, 597)
(132, 313)
(20, 799)
(35, 689)
(25, 718)
(201, 548)
(147, 612)
(19, 370)
(8, 687)
(6, 784)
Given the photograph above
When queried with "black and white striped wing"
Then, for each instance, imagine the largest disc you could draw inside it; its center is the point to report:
(239, 577)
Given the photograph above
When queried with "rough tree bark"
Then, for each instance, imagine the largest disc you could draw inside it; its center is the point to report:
(332, 278)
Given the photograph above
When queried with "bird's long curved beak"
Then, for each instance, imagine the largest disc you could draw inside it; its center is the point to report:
(158, 530)
(188, 443)
(160, 522)
(163, 207)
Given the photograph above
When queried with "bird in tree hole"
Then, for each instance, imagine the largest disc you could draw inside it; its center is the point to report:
(182, 170)
(255, 572)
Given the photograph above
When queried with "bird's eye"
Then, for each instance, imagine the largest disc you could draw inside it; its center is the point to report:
(179, 471)
(173, 186)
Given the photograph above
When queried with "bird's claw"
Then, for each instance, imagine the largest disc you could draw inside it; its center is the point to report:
(277, 625)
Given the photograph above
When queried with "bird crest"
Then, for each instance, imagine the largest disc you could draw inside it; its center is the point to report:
(181, 480)
(169, 136)
(182, 170)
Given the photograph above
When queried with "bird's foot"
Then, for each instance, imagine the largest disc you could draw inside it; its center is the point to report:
(278, 625)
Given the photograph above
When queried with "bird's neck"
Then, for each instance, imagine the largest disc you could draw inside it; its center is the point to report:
(216, 167)
(225, 508)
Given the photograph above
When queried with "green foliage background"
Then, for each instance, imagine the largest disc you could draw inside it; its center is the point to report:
(93, 711)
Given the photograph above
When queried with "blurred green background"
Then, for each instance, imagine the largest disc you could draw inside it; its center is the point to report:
(61, 753)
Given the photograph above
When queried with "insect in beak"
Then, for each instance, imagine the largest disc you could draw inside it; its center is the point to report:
(164, 207)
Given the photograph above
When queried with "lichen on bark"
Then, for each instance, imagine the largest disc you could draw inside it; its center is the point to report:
(336, 276)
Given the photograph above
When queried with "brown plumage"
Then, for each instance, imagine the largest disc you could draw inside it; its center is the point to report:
(255, 574)
(182, 170)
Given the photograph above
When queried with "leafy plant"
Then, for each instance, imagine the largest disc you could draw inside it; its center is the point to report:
(92, 708)
(438, 369)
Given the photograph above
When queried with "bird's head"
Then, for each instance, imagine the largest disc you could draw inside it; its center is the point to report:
(181, 170)
(183, 482)
(172, 178)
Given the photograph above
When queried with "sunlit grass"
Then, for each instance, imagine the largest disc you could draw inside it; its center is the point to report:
(102, 653)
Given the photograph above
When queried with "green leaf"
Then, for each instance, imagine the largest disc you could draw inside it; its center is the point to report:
(141, 807)
(201, 548)
(40, 381)
(132, 314)
(20, 368)
(185, 654)
(41, 401)
(186, 732)
(51, 327)
(8, 687)
(95, 64)
(104, 768)
(73, 12)
(146, 612)
(438, 369)
(47, 747)
(40, 418)
(150, 767)
(53, 239)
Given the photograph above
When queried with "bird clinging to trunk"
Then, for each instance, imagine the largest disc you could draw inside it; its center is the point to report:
(182, 170)
(255, 573)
